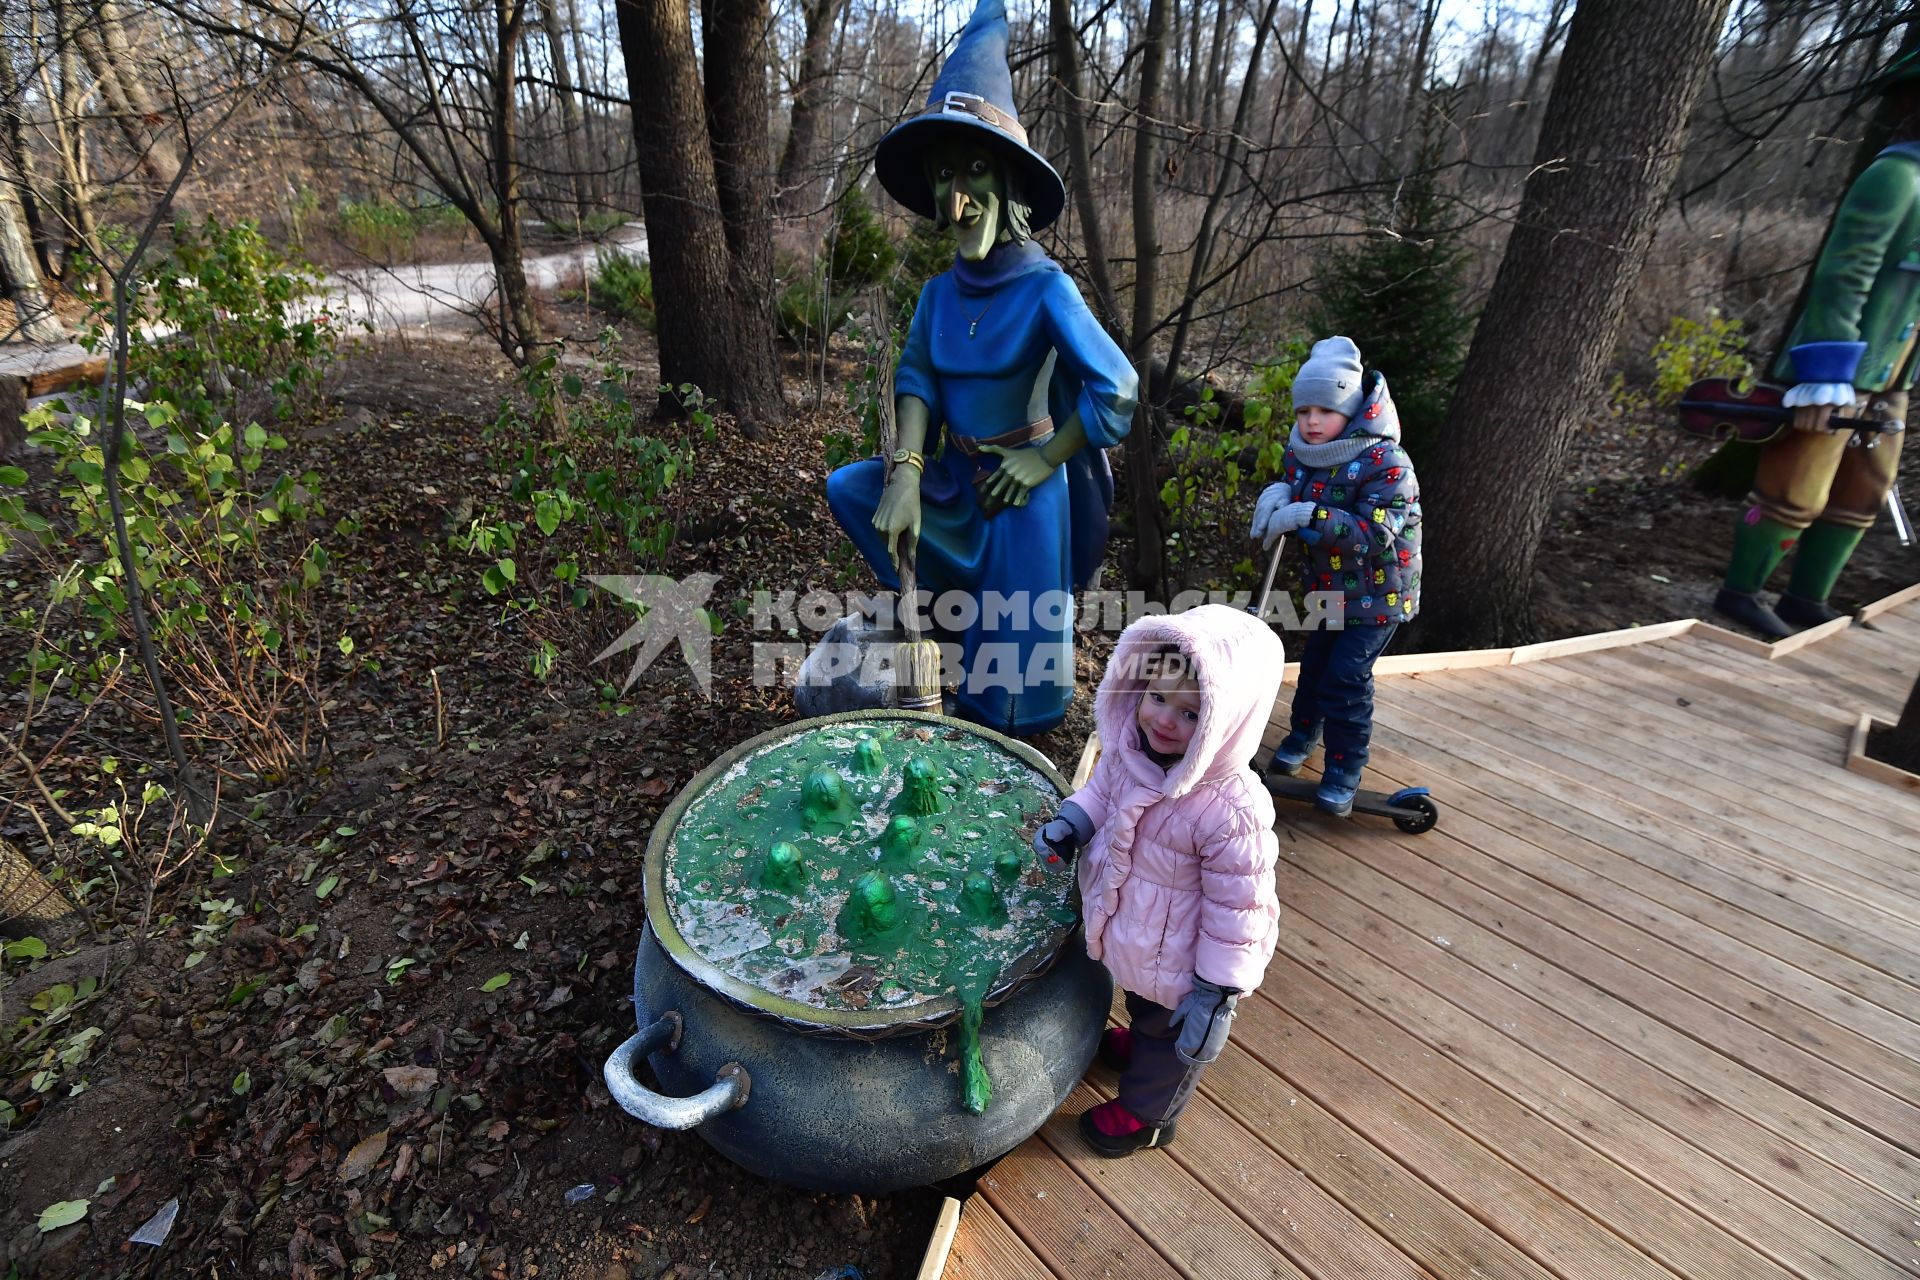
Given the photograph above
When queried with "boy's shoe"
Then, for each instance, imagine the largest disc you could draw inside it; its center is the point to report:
(1112, 1130)
(1116, 1048)
(1289, 756)
(1335, 796)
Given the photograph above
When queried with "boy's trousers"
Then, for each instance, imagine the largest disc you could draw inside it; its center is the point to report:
(1335, 695)
(1157, 1085)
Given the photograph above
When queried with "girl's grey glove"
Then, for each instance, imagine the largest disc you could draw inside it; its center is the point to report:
(1272, 498)
(1066, 834)
(1204, 1015)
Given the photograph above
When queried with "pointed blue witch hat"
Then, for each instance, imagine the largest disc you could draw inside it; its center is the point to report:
(972, 100)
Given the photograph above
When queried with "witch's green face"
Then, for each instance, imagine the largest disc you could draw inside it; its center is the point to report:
(970, 193)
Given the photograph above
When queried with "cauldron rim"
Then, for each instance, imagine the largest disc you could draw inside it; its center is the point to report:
(925, 1015)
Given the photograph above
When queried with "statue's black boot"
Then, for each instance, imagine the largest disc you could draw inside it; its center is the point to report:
(1800, 613)
(1747, 609)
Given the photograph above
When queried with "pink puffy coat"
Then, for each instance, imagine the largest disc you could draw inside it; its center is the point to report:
(1178, 878)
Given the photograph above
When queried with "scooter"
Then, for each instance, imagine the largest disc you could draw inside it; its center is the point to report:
(1412, 809)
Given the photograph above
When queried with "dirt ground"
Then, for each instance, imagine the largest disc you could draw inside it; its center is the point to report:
(318, 1112)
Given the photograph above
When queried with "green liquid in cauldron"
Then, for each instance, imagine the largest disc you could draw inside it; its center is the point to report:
(872, 865)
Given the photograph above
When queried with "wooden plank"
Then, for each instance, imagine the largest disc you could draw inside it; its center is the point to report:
(1858, 761)
(45, 382)
(933, 1263)
(1782, 692)
(986, 1248)
(1731, 639)
(1646, 715)
(1600, 1023)
(1886, 604)
(1645, 1121)
(1806, 639)
(1663, 730)
(1714, 710)
(1089, 756)
(1840, 923)
(1626, 637)
(1455, 660)
(1540, 713)
(1738, 816)
(1419, 1219)
(1852, 684)
(1058, 1216)
(1418, 1099)
(1276, 1198)
(1826, 984)
(1170, 1208)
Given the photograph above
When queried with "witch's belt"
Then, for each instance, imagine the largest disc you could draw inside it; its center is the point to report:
(972, 445)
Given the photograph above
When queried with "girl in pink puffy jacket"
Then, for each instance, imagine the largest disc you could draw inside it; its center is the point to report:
(1175, 835)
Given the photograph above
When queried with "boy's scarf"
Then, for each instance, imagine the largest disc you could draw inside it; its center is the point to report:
(1333, 453)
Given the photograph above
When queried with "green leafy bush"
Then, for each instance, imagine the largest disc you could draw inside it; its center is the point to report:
(240, 334)
(623, 285)
(227, 574)
(588, 492)
(386, 230)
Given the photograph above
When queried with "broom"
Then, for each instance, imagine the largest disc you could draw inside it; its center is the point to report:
(916, 659)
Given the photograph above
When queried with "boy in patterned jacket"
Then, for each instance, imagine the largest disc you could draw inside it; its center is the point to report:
(1348, 491)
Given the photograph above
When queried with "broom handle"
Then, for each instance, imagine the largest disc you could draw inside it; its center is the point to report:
(1266, 584)
(909, 584)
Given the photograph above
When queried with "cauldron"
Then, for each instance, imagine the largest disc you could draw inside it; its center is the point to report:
(842, 1092)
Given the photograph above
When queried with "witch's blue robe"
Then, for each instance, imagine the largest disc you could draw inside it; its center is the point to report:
(983, 339)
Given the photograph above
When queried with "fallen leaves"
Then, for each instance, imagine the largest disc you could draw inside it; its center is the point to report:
(411, 1082)
(63, 1213)
(365, 1155)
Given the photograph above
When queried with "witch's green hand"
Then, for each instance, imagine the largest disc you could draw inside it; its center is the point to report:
(1020, 472)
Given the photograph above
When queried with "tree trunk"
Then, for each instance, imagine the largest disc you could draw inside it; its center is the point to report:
(734, 34)
(102, 43)
(19, 155)
(519, 327)
(596, 164)
(71, 130)
(35, 319)
(809, 94)
(1900, 745)
(28, 900)
(1066, 67)
(569, 108)
(1610, 145)
(686, 236)
(1143, 449)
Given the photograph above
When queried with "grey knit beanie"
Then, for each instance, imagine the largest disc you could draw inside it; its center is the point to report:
(1331, 377)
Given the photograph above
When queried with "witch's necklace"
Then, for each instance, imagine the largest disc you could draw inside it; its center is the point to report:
(973, 321)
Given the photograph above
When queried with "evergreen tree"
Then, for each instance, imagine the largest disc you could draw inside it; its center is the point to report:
(1398, 293)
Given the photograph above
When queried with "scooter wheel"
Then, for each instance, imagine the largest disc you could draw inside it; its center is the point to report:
(1426, 813)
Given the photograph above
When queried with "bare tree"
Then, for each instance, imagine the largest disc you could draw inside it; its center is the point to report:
(1609, 149)
(809, 93)
(444, 81)
(705, 188)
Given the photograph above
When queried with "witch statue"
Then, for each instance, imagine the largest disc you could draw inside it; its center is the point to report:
(1008, 392)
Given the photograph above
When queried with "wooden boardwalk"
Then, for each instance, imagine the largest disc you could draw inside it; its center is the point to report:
(1646, 1003)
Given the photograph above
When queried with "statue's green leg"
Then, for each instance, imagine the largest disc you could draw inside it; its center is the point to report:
(1824, 551)
(1758, 548)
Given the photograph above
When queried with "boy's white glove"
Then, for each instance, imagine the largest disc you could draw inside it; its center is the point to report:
(1272, 498)
(1295, 515)
(1203, 1018)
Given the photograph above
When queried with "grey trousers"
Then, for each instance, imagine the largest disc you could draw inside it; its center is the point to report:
(1157, 1085)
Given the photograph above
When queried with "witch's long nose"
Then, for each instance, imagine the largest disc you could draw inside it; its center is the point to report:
(957, 202)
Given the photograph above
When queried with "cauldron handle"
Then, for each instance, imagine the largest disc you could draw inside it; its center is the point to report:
(729, 1089)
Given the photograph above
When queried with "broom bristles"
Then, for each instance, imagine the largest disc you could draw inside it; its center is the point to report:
(916, 675)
